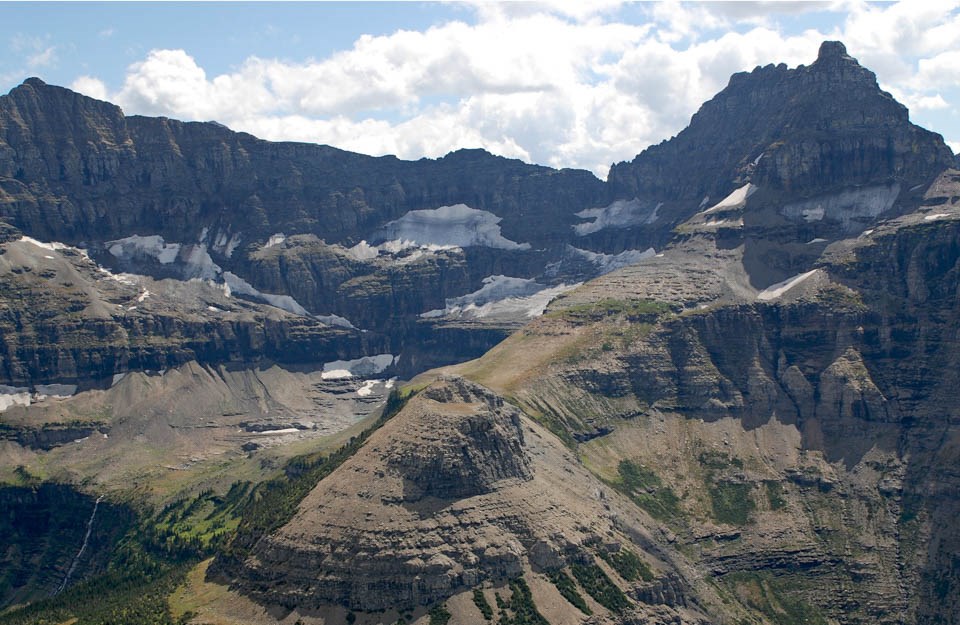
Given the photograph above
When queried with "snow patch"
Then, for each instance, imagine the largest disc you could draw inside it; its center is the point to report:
(852, 207)
(360, 367)
(736, 199)
(606, 263)
(275, 239)
(620, 214)
(225, 243)
(817, 240)
(136, 246)
(935, 216)
(364, 251)
(367, 389)
(501, 295)
(336, 320)
(449, 226)
(774, 291)
(269, 432)
(13, 395)
(53, 246)
(238, 285)
(117, 377)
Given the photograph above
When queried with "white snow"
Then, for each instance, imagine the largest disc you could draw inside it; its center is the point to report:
(703, 202)
(817, 240)
(144, 295)
(620, 214)
(56, 390)
(152, 246)
(336, 320)
(364, 251)
(606, 263)
(203, 235)
(360, 367)
(935, 216)
(117, 377)
(14, 396)
(48, 257)
(280, 431)
(214, 309)
(774, 291)
(240, 286)
(851, 207)
(53, 246)
(275, 239)
(457, 225)
(367, 389)
(199, 264)
(501, 295)
(225, 243)
(756, 161)
(736, 199)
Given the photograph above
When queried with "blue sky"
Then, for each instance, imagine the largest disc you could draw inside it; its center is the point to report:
(567, 84)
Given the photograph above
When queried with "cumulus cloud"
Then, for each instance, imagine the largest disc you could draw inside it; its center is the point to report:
(90, 86)
(557, 82)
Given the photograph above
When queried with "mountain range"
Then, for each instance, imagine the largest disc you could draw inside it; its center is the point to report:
(718, 387)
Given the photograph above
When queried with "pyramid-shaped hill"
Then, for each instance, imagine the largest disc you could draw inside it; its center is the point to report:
(459, 488)
(799, 131)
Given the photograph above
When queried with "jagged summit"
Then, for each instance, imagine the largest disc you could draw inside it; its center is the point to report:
(833, 50)
(800, 130)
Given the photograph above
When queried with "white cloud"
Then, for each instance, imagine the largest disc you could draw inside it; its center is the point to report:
(90, 86)
(955, 146)
(560, 83)
(43, 58)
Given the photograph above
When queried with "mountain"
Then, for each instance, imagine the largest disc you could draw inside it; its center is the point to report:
(726, 393)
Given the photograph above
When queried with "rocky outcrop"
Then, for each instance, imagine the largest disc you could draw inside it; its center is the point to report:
(456, 489)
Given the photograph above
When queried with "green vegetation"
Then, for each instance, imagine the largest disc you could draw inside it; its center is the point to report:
(274, 502)
(770, 597)
(520, 609)
(775, 495)
(628, 564)
(568, 588)
(158, 550)
(635, 311)
(646, 489)
(439, 615)
(731, 502)
(598, 585)
(482, 604)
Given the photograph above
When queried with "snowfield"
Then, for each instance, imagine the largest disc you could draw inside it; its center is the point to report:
(501, 296)
(361, 367)
(736, 199)
(850, 207)
(775, 291)
(620, 214)
(449, 226)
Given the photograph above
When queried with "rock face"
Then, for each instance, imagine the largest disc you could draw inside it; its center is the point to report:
(810, 424)
(803, 131)
(820, 152)
(456, 489)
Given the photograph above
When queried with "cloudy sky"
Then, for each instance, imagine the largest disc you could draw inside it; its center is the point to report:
(566, 84)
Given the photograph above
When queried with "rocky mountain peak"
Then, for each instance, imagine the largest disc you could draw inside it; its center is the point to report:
(803, 130)
(833, 51)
